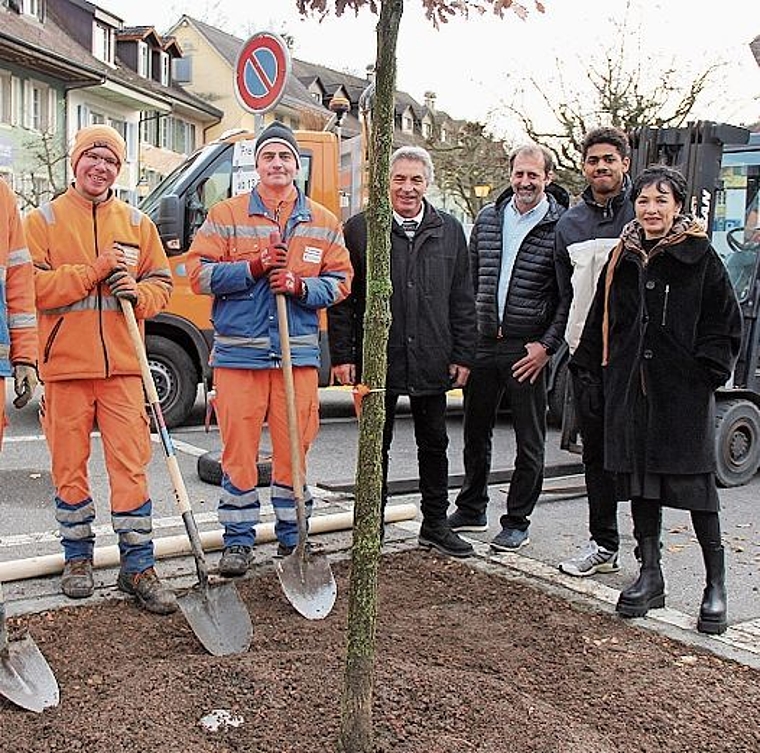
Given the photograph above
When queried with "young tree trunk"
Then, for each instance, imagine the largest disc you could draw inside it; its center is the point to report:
(356, 721)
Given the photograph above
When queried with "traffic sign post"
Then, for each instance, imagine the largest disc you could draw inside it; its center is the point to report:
(262, 70)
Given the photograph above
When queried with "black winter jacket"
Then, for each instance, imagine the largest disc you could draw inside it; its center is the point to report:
(432, 305)
(673, 336)
(539, 295)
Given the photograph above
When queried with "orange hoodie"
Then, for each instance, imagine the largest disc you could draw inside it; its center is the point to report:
(83, 334)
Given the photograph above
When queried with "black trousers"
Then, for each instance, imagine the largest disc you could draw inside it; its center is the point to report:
(431, 437)
(490, 379)
(600, 485)
(647, 517)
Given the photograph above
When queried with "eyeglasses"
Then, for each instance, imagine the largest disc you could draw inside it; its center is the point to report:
(96, 159)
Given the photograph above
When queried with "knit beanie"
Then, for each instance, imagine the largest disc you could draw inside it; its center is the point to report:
(278, 133)
(94, 136)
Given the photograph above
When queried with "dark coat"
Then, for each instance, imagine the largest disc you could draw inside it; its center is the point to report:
(432, 305)
(674, 332)
(538, 301)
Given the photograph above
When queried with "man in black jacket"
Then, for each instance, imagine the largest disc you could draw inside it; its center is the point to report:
(522, 298)
(431, 343)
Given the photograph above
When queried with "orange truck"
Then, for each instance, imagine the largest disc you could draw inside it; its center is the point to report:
(178, 340)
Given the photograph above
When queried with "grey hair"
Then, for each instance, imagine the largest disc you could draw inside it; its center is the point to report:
(416, 154)
(533, 149)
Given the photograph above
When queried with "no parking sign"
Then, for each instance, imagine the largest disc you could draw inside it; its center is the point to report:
(263, 67)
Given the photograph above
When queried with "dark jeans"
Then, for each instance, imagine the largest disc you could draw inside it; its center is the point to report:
(429, 416)
(600, 485)
(489, 380)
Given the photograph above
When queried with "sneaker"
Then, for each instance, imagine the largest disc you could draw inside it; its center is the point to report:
(461, 521)
(235, 560)
(444, 540)
(150, 593)
(594, 559)
(76, 581)
(510, 540)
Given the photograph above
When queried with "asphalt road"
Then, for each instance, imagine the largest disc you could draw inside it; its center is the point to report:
(558, 527)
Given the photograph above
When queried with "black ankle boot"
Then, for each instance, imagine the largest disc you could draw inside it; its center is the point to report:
(648, 591)
(712, 613)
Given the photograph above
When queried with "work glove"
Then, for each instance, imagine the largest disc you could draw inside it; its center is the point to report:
(24, 383)
(123, 286)
(107, 262)
(274, 256)
(286, 282)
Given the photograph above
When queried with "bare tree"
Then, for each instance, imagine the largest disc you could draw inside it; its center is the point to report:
(42, 172)
(623, 87)
(475, 164)
(356, 724)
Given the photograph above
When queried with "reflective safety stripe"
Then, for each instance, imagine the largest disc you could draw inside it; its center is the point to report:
(22, 321)
(135, 216)
(74, 521)
(3, 274)
(236, 506)
(107, 303)
(297, 341)
(317, 233)
(5, 351)
(284, 503)
(133, 530)
(204, 278)
(19, 256)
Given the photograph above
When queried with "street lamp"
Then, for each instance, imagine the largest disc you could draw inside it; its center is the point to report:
(481, 192)
(340, 106)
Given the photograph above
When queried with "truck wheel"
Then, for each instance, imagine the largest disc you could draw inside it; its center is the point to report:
(556, 398)
(210, 468)
(737, 441)
(175, 378)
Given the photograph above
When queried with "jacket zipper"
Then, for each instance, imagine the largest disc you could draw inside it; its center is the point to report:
(665, 305)
(100, 293)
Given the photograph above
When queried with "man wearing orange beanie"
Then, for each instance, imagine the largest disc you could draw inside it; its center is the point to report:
(91, 251)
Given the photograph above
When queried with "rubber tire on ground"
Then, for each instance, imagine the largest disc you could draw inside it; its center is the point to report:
(556, 398)
(175, 377)
(210, 468)
(737, 441)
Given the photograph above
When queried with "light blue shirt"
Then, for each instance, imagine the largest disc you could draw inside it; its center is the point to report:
(516, 227)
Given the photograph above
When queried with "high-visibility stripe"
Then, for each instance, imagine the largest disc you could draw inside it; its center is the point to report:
(46, 210)
(19, 256)
(107, 303)
(22, 321)
(204, 278)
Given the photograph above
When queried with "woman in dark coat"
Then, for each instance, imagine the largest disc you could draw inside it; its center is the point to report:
(663, 333)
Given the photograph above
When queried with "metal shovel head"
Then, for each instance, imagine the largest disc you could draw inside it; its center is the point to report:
(218, 617)
(26, 677)
(308, 583)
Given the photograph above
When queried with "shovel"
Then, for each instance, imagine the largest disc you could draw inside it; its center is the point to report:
(306, 578)
(217, 616)
(25, 676)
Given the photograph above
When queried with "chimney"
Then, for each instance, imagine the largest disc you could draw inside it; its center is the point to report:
(371, 73)
(430, 100)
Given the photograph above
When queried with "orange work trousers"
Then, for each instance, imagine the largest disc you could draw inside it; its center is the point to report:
(71, 410)
(245, 398)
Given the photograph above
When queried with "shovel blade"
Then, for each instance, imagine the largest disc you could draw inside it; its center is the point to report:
(26, 677)
(219, 618)
(308, 583)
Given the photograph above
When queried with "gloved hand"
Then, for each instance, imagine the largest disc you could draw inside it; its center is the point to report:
(271, 257)
(287, 282)
(24, 383)
(123, 286)
(107, 262)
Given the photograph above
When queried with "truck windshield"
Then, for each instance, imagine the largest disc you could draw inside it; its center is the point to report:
(736, 227)
(149, 204)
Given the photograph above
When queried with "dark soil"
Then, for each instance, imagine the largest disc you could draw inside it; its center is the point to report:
(466, 661)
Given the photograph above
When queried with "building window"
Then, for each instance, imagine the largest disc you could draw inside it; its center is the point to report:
(443, 136)
(143, 60)
(32, 8)
(427, 129)
(165, 68)
(407, 123)
(39, 107)
(102, 42)
(6, 110)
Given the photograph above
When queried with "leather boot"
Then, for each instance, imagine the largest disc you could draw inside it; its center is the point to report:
(712, 612)
(648, 591)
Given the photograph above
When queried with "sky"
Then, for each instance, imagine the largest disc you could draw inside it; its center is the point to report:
(474, 66)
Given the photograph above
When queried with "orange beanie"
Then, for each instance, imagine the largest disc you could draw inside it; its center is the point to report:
(98, 135)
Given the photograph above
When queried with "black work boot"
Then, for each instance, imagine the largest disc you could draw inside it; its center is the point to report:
(438, 535)
(712, 612)
(150, 593)
(648, 591)
(77, 581)
(235, 560)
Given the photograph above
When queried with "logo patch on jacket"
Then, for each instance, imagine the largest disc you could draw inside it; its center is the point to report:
(131, 253)
(312, 255)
